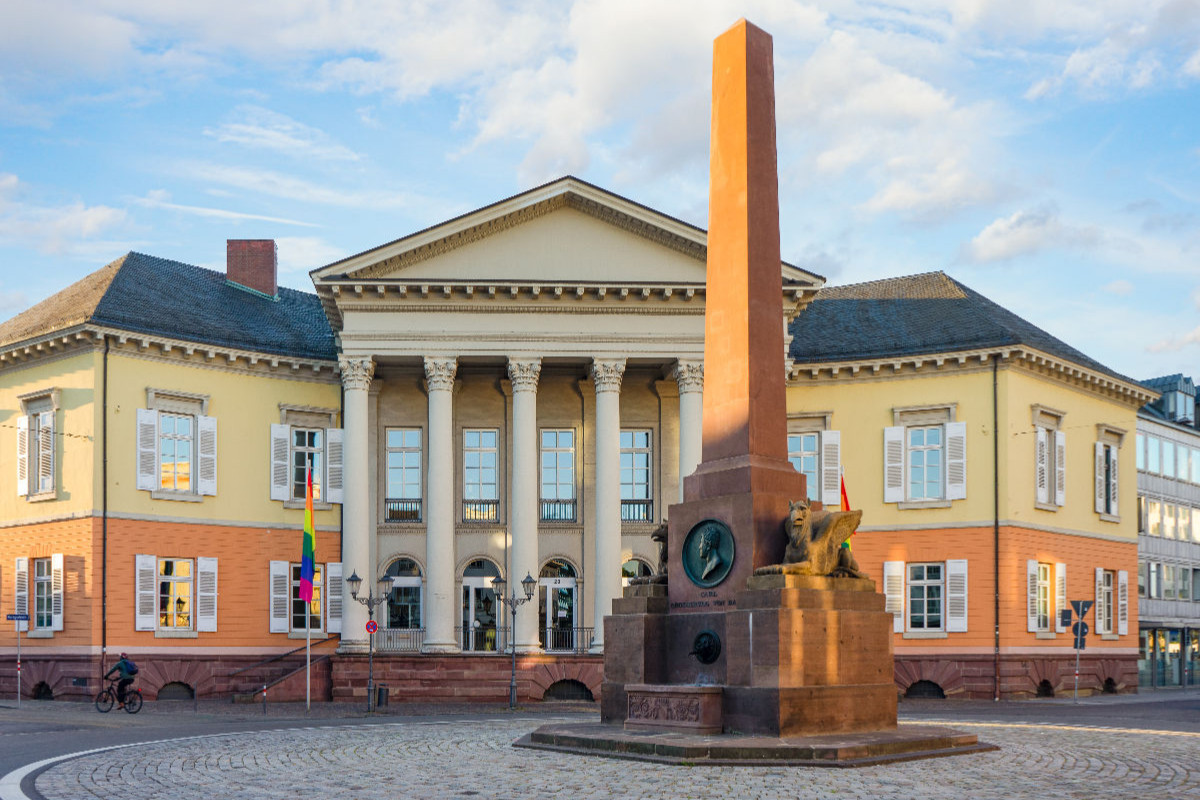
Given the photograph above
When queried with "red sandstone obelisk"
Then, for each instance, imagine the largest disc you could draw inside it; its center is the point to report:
(744, 479)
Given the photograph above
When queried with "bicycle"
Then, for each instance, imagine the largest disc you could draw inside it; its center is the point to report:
(108, 697)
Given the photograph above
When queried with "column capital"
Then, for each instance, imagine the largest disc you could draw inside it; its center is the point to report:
(524, 372)
(357, 372)
(607, 373)
(689, 376)
(439, 373)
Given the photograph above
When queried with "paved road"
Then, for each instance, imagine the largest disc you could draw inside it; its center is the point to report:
(1103, 748)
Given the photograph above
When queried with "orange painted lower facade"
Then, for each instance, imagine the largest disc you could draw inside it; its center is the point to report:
(977, 658)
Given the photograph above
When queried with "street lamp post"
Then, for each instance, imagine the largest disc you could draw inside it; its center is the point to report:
(513, 602)
(370, 601)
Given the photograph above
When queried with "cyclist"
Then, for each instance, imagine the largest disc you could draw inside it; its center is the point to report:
(127, 670)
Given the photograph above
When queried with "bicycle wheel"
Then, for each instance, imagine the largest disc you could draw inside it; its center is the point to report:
(133, 701)
(105, 700)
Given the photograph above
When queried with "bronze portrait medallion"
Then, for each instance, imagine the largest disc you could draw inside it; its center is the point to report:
(708, 553)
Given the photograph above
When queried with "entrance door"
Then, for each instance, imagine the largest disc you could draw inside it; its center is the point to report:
(558, 605)
(479, 607)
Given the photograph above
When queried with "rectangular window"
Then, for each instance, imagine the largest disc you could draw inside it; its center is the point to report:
(175, 452)
(1181, 466)
(1141, 451)
(804, 453)
(403, 500)
(637, 504)
(1154, 517)
(174, 594)
(1168, 459)
(1143, 578)
(1195, 471)
(925, 593)
(307, 449)
(1169, 580)
(297, 605)
(481, 488)
(1107, 491)
(43, 594)
(1184, 527)
(1183, 583)
(1104, 602)
(1169, 516)
(1043, 597)
(558, 475)
(1152, 455)
(926, 460)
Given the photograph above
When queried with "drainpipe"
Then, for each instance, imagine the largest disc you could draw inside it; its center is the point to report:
(104, 510)
(996, 522)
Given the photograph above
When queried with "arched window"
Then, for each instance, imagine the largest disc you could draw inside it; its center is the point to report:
(634, 568)
(404, 603)
(479, 606)
(558, 606)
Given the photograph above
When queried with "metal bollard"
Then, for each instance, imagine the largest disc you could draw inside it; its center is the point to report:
(264, 699)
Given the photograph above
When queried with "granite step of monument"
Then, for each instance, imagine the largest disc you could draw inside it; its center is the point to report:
(906, 743)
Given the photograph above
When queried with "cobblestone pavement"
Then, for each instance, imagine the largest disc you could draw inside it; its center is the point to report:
(456, 758)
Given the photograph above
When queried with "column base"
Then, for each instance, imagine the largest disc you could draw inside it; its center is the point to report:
(349, 647)
(441, 647)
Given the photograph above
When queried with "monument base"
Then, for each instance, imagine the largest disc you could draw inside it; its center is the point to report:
(905, 743)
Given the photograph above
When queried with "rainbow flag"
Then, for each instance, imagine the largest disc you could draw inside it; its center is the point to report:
(845, 506)
(307, 558)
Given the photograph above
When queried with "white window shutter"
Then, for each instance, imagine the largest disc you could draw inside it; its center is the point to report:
(956, 460)
(206, 430)
(1122, 602)
(956, 595)
(45, 466)
(21, 592)
(146, 608)
(1112, 480)
(281, 595)
(1099, 595)
(1042, 467)
(1031, 587)
(1060, 596)
(893, 465)
(333, 597)
(147, 453)
(280, 445)
(831, 468)
(893, 590)
(206, 595)
(1060, 468)
(333, 491)
(56, 592)
(22, 456)
(1100, 478)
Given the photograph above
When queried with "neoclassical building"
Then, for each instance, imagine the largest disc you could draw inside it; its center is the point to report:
(522, 397)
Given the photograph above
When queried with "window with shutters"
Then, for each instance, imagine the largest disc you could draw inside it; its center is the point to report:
(176, 596)
(1104, 601)
(925, 458)
(292, 615)
(1050, 458)
(37, 445)
(926, 594)
(926, 599)
(1107, 472)
(312, 619)
(305, 440)
(816, 453)
(176, 446)
(38, 592)
(43, 594)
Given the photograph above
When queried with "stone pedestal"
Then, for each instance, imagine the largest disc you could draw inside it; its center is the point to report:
(692, 709)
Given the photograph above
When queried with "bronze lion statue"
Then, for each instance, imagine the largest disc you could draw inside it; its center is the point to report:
(814, 543)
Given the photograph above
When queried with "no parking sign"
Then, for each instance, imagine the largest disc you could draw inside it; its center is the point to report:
(372, 626)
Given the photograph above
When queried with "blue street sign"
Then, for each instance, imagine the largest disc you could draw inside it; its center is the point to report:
(1080, 629)
(18, 618)
(1065, 617)
(1082, 607)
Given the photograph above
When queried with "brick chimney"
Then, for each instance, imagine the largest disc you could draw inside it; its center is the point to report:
(253, 264)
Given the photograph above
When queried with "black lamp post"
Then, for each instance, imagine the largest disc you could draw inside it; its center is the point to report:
(370, 601)
(513, 601)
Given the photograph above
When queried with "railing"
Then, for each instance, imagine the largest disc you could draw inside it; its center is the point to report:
(637, 510)
(402, 510)
(558, 511)
(483, 639)
(567, 640)
(481, 511)
(399, 640)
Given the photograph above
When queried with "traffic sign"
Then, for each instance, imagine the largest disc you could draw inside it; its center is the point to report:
(1082, 606)
(18, 618)
(1080, 629)
(372, 626)
(1064, 617)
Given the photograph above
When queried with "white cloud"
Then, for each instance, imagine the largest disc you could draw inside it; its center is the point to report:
(276, 184)
(298, 255)
(1119, 287)
(51, 229)
(262, 128)
(12, 302)
(1027, 232)
(1175, 343)
(160, 198)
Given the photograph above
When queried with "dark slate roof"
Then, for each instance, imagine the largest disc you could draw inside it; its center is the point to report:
(1171, 383)
(915, 315)
(145, 294)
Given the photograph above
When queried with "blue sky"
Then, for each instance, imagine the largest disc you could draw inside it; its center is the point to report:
(1045, 154)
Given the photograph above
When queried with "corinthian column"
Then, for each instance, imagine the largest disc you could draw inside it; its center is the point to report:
(606, 579)
(689, 377)
(439, 514)
(523, 506)
(356, 510)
